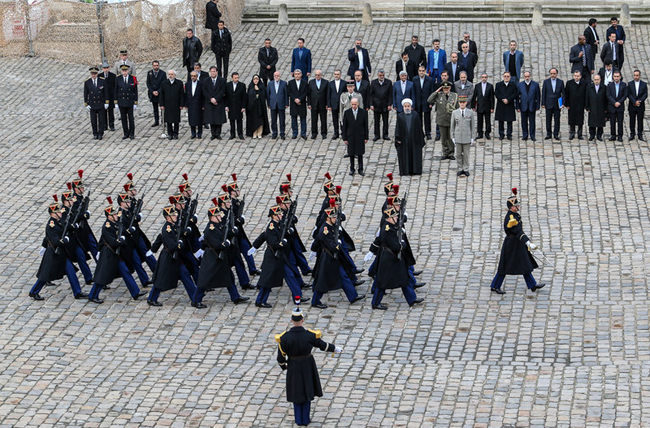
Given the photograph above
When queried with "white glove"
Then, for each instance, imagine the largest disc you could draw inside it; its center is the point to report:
(252, 251)
(342, 213)
(41, 252)
(88, 108)
(135, 106)
(405, 215)
(531, 246)
(243, 217)
(471, 141)
(87, 214)
(201, 238)
(312, 256)
(141, 218)
(105, 106)
(199, 254)
(338, 350)
(148, 254)
(227, 242)
(453, 140)
(368, 257)
(97, 259)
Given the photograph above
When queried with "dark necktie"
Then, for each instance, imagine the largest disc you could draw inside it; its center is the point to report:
(527, 87)
(463, 113)
(584, 57)
(95, 83)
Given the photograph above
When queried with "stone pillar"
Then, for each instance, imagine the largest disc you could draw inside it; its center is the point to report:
(366, 18)
(538, 17)
(625, 19)
(283, 16)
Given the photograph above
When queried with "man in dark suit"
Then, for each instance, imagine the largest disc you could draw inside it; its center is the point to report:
(298, 91)
(423, 87)
(155, 78)
(528, 103)
(212, 15)
(596, 106)
(335, 88)
(222, 46)
(317, 102)
(359, 60)
(214, 107)
(607, 73)
(471, 43)
(194, 104)
(613, 51)
(236, 105)
(96, 101)
(381, 101)
(403, 88)
(468, 61)
(405, 64)
(484, 106)
(637, 93)
(620, 37)
(268, 58)
(436, 61)
(126, 96)
(592, 37)
(576, 92)
(172, 101)
(453, 68)
(278, 98)
(354, 131)
(192, 50)
(362, 87)
(552, 91)
(200, 74)
(416, 53)
(617, 92)
(581, 60)
(109, 79)
(301, 60)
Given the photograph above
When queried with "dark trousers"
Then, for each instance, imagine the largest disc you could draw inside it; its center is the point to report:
(360, 158)
(346, 284)
(315, 115)
(239, 124)
(98, 121)
(275, 115)
(240, 270)
(301, 261)
(595, 132)
(83, 265)
(503, 130)
(303, 125)
(190, 69)
(72, 278)
(480, 117)
(528, 124)
(425, 118)
(407, 290)
(109, 116)
(156, 112)
(232, 290)
(572, 131)
(615, 118)
(244, 246)
(383, 116)
(222, 64)
(197, 131)
(498, 281)
(128, 123)
(172, 129)
(335, 122)
(553, 114)
(636, 118)
(291, 281)
(302, 412)
(586, 74)
(139, 269)
(215, 130)
(126, 276)
(185, 278)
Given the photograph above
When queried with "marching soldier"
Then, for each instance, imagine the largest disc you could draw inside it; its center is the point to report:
(56, 260)
(143, 244)
(84, 232)
(113, 257)
(126, 97)
(298, 247)
(294, 243)
(408, 252)
(329, 273)
(215, 269)
(96, 101)
(238, 213)
(172, 266)
(189, 235)
(516, 257)
(76, 250)
(130, 231)
(294, 356)
(233, 252)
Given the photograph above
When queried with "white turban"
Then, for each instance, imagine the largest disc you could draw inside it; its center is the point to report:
(407, 100)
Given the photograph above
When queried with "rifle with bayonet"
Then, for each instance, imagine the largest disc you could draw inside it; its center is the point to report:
(287, 222)
(223, 254)
(400, 223)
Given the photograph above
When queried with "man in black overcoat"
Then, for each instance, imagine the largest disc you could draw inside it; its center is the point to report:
(355, 134)
(194, 103)
(596, 106)
(192, 50)
(381, 102)
(409, 140)
(506, 94)
(214, 107)
(575, 92)
(172, 101)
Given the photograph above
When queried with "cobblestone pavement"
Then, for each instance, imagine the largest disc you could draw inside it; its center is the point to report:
(576, 354)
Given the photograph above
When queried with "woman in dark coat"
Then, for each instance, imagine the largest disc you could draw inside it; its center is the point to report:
(257, 122)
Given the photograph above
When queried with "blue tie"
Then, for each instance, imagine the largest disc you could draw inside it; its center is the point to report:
(300, 53)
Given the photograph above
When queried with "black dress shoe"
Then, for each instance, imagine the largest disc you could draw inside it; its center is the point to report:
(538, 286)
(294, 137)
(140, 294)
(361, 173)
(556, 137)
(358, 282)
(170, 137)
(380, 306)
(599, 138)
(112, 128)
(416, 301)
(612, 138)
(419, 284)
(319, 306)
(154, 303)
(50, 284)
(533, 138)
(510, 138)
(500, 138)
(443, 157)
(96, 300)
(232, 137)
(591, 138)
(81, 295)
(346, 155)
(351, 172)
(336, 137)
(314, 136)
(571, 137)
(324, 136)
(100, 137)
(487, 136)
(283, 138)
(375, 139)
(580, 137)
(359, 297)
(359, 270)
(631, 137)
(525, 139)
(459, 173)
(241, 137)
(147, 284)
(155, 124)
(306, 286)
(497, 290)
(548, 137)
(466, 173)
(248, 287)
(304, 299)
(36, 296)
(452, 157)
(387, 138)
(256, 272)
(105, 287)
(213, 137)
(620, 139)
(199, 305)
(263, 305)
(126, 137)
(640, 138)
(95, 137)
(241, 299)
(274, 137)
(132, 137)
(417, 273)
(89, 282)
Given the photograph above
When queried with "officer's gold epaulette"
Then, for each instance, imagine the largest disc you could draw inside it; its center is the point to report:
(101, 77)
(279, 336)
(316, 332)
(512, 222)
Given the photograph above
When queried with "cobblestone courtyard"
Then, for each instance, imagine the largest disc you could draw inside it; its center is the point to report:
(577, 353)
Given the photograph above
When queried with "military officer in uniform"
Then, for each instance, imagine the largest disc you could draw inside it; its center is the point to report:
(109, 81)
(113, 257)
(77, 251)
(232, 233)
(446, 102)
(96, 101)
(56, 260)
(130, 250)
(238, 214)
(294, 356)
(516, 257)
(124, 60)
(126, 96)
(143, 244)
(81, 202)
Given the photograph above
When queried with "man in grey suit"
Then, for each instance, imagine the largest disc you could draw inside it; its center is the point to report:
(464, 87)
(462, 134)
(276, 93)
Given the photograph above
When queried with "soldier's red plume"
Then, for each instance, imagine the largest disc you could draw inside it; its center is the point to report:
(396, 189)
(69, 185)
(56, 198)
(278, 200)
(338, 190)
(126, 187)
(514, 191)
(234, 177)
(391, 200)
(285, 188)
(181, 188)
(332, 202)
(185, 177)
(171, 200)
(224, 188)
(214, 201)
(328, 176)
(110, 200)
(129, 176)
(390, 176)
(81, 173)
(288, 177)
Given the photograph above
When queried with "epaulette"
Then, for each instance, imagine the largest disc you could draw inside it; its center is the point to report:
(100, 77)
(512, 222)
(279, 336)
(317, 333)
